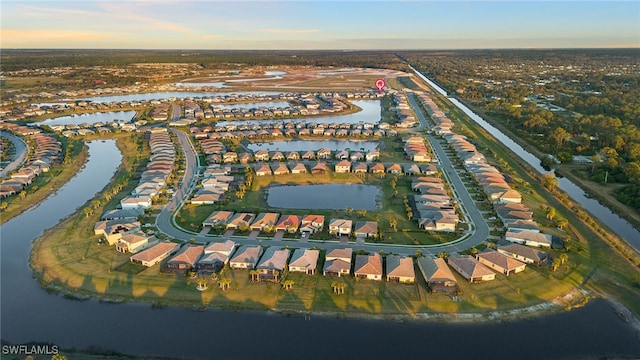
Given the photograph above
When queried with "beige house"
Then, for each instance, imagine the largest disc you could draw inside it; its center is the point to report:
(368, 267)
(134, 242)
(272, 264)
(366, 229)
(113, 230)
(155, 254)
(338, 262)
(304, 260)
(500, 262)
(218, 217)
(400, 269)
(471, 269)
(312, 223)
(185, 259)
(340, 227)
(240, 219)
(523, 253)
(265, 221)
(529, 238)
(438, 275)
(288, 223)
(246, 257)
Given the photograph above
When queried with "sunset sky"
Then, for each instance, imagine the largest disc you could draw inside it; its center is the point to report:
(319, 24)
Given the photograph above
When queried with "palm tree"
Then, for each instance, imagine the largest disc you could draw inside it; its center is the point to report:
(562, 223)
(255, 275)
(87, 211)
(555, 264)
(276, 274)
(563, 258)
(393, 223)
(224, 284)
(288, 284)
(203, 283)
(551, 213)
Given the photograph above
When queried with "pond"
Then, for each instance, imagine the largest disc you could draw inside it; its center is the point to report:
(371, 113)
(171, 94)
(104, 117)
(254, 105)
(217, 84)
(314, 145)
(324, 196)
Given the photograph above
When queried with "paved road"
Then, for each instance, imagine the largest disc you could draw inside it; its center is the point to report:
(478, 233)
(22, 149)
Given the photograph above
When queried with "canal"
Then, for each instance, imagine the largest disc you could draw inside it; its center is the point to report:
(617, 224)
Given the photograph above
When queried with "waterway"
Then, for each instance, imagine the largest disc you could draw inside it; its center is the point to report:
(171, 94)
(103, 117)
(325, 196)
(255, 105)
(371, 113)
(314, 145)
(29, 313)
(617, 224)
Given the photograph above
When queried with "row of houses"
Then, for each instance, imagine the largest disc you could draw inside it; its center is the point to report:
(443, 124)
(46, 153)
(157, 171)
(283, 126)
(214, 185)
(266, 132)
(344, 166)
(266, 221)
(406, 119)
(434, 206)
(507, 202)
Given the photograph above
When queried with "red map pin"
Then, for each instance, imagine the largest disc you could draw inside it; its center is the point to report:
(380, 84)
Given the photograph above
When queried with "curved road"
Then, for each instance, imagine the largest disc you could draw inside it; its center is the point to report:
(22, 149)
(478, 233)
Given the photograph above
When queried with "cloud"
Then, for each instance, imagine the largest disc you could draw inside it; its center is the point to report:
(21, 38)
(290, 31)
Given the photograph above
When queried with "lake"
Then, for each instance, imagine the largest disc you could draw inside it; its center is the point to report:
(314, 145)
(325, 196)
(103, 117)
(217, 84)
(29, 313)
(170, 94)
(256, 105)
(371, 113)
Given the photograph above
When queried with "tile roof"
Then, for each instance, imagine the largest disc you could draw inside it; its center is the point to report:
(305, 258)
(499, 259)
(400, 266)
(188, 254)
(368, 264)
(155, 251)
(435, 269)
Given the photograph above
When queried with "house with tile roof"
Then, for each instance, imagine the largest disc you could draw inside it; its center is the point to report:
(246, 257)
(155, 254)
(298, 168)
(500, 262)
(304, 260)
(523, 253)
(288, 223)
(218, 217)
(320, 169)
(529, 238)
(366, 229)
(265, 221)
(343, 166)
(216, 256)
(113, 230)
(368, 267)
(185, 259)
(134, 242)
(272, 264)
(240, 219)
(312, 223)
(438, 275)
(262, 169)
(340, 227)
(400, 269)
(471, 269)
(338, 262)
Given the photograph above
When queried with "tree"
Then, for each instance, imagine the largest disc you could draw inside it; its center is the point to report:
(361, 213)
(561, 223)
(203, 283)
(393, 223)
(288, 284)
(410, 214)
(338, 287)
(224, 284)
(550, 213)
(87, 211)
(443, 255)
(255, 275)
(549, 181)
(555, 264)
(96, 204)
(474, 251)
(558, 136)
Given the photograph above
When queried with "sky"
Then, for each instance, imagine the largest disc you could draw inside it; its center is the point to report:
(318, 25)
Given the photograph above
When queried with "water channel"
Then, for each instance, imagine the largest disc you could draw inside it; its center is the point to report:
(29, 313)
(324, 196)
(103, 117)
(617, 224)
(314, 145)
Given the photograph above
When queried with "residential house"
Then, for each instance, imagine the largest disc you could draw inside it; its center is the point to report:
(338, 262)
(529, 238)
(265, 222)
(312, 223)
(239, 220)
(343, 166)
(218, 217)
(304, 260)
(438, 275)
(471, 269)
(368, 267)
(360, 167)
(280, 169)
(340, 227)
(246, 257)
(185, 259)
(288, 223)
(113, 230)
(272, 264)
(215, 257)
(155, 254)
(377, 168)
(394, 169)
(320, 169)
(132, 202)
(500, 262)
(400, 269)
(263, 169)
(298, 168)
(523, 253)
(134, 242)
(366, 229)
